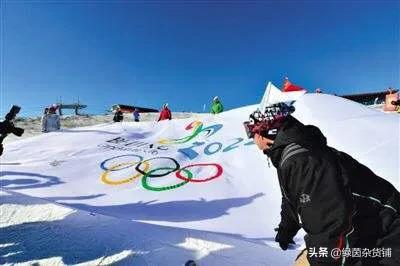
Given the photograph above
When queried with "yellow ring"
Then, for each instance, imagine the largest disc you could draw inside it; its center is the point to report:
(105, 179)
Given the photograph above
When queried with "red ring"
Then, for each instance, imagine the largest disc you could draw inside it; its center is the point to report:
(219, 172)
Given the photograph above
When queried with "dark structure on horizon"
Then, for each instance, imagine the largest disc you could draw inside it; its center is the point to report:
(73, 106)
(129, 108)
(369, 98)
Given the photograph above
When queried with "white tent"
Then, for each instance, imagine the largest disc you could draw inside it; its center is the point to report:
(273, 95)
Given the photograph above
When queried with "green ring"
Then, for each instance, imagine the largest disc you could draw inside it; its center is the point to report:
(148, 187)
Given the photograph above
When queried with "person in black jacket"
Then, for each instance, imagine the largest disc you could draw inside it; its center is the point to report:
(340, 203)
(118, 116)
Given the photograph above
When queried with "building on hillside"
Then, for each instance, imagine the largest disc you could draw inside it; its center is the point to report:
(379, 100)
(370, 98)
(130, 109)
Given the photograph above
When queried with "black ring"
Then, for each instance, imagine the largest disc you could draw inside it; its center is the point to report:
(177, 166)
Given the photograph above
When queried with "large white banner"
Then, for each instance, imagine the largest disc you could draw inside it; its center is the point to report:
(200, 173)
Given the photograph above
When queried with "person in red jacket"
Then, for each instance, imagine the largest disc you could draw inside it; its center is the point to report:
(165, 113)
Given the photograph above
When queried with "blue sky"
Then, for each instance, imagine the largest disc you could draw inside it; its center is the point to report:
(185, 53)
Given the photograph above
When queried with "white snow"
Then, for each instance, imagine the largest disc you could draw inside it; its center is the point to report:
(29, 235)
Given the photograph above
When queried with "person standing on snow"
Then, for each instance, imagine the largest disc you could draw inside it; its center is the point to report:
(165, 113)
(136, 115)
(44, 119)
(118, 116)
(340, 203)
(50, 120)
(216, 106)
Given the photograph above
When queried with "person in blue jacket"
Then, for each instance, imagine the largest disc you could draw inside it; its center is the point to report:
(136, 115)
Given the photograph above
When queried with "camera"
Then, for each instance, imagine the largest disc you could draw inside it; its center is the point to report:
(8, 127)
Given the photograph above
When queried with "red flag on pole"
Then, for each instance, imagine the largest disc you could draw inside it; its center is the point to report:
(288, 86)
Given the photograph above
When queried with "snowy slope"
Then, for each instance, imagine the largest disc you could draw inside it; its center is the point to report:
(36, 232)
(368, 135)
(90, 168)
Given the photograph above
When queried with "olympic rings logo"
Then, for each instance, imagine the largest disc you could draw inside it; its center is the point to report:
(142, 169)
(197, 128)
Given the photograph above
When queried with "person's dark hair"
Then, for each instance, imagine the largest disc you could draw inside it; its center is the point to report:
(190, 263)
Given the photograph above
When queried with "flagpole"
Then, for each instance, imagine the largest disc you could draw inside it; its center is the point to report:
(265, 97)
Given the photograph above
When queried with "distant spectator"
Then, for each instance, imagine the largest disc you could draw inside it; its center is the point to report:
(165, 113)
(44, 119)
(118, 116)
(50, 120)
(136, 115)
(318, 90)
(216, 106)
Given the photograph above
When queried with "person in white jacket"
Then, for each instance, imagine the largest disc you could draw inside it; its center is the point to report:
(44, 118)
(50, 120)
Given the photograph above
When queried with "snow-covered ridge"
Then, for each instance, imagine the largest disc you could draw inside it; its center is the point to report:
(32, 125)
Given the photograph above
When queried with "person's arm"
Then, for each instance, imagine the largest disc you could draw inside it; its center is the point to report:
(169, 115)
(288, 227)
(220, 108)
(324, 205)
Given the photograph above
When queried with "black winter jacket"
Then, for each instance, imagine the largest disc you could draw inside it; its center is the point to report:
(118, 116)
(339, 202)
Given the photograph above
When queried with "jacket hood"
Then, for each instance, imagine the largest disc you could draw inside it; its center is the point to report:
(293, 131)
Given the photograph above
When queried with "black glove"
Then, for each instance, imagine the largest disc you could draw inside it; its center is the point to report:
(284, 238)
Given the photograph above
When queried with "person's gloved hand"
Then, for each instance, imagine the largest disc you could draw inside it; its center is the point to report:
(283, 238)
